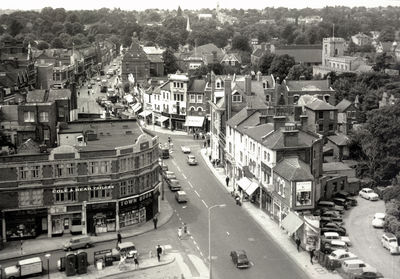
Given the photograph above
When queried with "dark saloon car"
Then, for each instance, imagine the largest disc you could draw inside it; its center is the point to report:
(240, 259)
(333, 227)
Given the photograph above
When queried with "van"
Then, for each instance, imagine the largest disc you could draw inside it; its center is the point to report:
(389, 241)
(355, 266)
(181, 196)
(127, 248)
(77, 242)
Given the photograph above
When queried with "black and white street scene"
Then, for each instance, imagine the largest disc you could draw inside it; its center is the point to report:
(208, 139)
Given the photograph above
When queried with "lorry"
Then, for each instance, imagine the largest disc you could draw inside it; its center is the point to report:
(24, 268)
(164, 151)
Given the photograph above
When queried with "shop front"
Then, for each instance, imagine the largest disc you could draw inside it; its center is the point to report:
(101, 217)
(27, 223)
(177, 122)
(66, 219)
(138, 209)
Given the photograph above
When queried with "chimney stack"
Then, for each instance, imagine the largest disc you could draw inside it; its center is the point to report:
(303, 121)
(290, 135)
(228, 98)
(279, 121)
(247, 85)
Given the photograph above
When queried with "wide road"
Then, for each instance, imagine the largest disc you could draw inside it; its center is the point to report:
(367, 240)
(231, 227)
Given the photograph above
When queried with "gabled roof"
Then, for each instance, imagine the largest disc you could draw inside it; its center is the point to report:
(318, 104)
(339, 139)
(155, 58)
(197, 85)
(232, 57)
(275, 140)
(59, 94)
(237, 118)
(258, 52)
(165, 86)
(260, 131)
(36, 96)
(293, 169)
(343, 105)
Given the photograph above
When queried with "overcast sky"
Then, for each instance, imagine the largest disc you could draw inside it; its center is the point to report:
(187, 4)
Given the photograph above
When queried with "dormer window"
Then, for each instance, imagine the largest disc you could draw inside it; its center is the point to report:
(236, 98)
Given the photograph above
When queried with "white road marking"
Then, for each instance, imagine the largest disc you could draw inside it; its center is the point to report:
(190, 184)
(184, 176)
(197, 193)
(195, 243)
(227, 233)
(178, 168)
(204, 203)
(184, 206)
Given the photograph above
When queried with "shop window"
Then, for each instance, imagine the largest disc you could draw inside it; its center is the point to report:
(30, 197)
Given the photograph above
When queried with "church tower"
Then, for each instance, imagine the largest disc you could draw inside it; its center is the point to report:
(188, 25)
(332, 47)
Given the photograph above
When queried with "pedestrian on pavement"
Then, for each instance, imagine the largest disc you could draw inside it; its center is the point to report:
(180, 233)
(227, 181)
(159, 251)
(205, 144)
(136, 260)
(119, 237)
(298, 242)
(311, 255)
(155, 220)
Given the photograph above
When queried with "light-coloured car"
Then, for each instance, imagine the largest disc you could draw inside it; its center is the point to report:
(379, 220)
(342, 255)
(78, 242)
(368, 194)
(191, 160)
(185, 149)
(181, 196)
(389, 241)
(328, 236)
(168, 175)
(174, 185)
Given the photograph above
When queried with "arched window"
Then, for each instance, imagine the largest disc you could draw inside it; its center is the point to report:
(267, 98)
(199, 109)
(296, 99)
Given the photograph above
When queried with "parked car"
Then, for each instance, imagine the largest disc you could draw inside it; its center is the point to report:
(333, 227)
(78, 242)
(328, 236)
(355, 266)
(191, 160)
(164, 167)
(352, 201)
(341, 202)
(327, 247)
(389, 241)
(330, 206)
(342, 255)
(174, 185)
(168, 175)
(240, 259)
(127, 248)
(331, 213)
(379, 220)
(368, 194)
(185, 149)
(368, 274)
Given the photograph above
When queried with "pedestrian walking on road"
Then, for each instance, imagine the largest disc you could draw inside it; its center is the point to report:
(155, 220)
(311, 255)
(119, 237)
(159, 251)
(179, 232)
(298, 242)
(227, 181)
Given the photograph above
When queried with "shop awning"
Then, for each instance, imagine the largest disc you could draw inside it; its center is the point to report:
(136, 107)
(244, 183)
(194, 121)
(252, 187)
(145, 113)
(163, 118)
(291, 223)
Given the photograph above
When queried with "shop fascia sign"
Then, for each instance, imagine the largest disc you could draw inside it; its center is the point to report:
(82, 189)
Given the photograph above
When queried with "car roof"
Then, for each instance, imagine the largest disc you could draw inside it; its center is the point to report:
(366, 189)
(174, 180)
(181, 192)
(339, 252)
(354, 261)
(390, 235)
(240, 252)
(331, 234)
(380, 215)
(169, 172)
(338, 242)
(125, 244)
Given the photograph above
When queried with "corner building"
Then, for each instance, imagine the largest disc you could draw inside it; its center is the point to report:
(104, 176)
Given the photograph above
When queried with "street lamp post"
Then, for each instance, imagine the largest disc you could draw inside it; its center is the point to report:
(48, 265)
(209, 235)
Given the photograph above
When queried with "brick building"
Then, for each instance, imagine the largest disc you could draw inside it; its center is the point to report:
(104, 176)
(136, 63)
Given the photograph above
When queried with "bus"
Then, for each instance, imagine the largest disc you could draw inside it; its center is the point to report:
(164, 151)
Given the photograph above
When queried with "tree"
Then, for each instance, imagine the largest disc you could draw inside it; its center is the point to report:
(15, 27)
(281, 65)
(170, 65)
(265, 62)
(241, 42)
(382, 62)
(57, 43)
(42, 45)
(381, 143)
(300, 71)
(387, 35)
(179, 12)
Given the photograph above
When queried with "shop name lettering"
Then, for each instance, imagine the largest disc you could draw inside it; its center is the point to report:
(82, 189)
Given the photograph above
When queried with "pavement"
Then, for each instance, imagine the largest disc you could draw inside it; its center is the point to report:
(302, 258)
(42, 244)
(162, 130)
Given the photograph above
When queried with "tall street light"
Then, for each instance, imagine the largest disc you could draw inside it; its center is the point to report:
(48, 265)
(209, 235)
